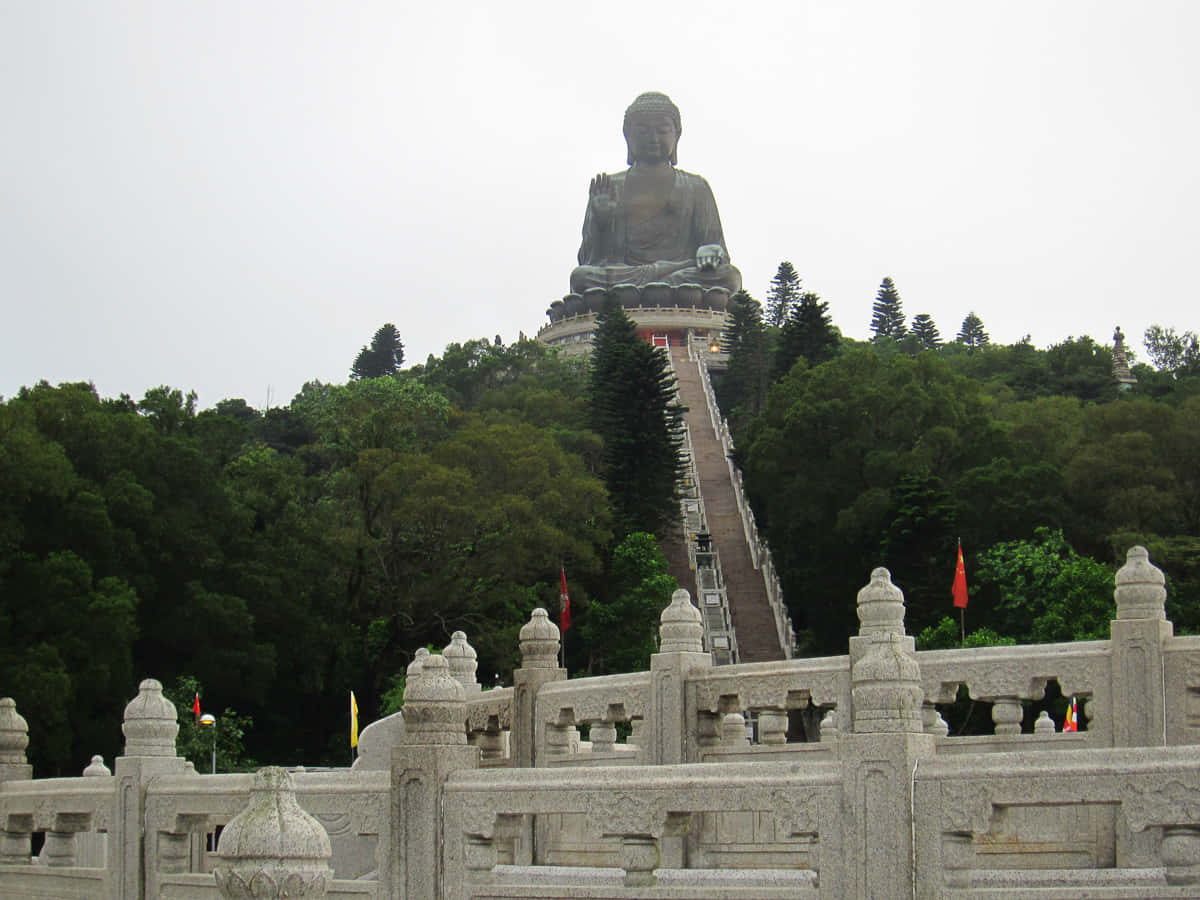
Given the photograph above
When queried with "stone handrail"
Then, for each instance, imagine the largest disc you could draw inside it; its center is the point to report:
(353, 808)
(639, 820)
(600, 703)
(1063, 805)
(760, 554)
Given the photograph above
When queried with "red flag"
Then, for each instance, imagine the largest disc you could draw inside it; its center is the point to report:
(1071, 722)
(960, 582)
(196, 708)
(564, 603)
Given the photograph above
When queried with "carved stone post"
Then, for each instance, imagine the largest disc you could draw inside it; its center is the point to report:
(273, 848)
(435, 717)
(60, 850)
(886, 742)
(772, 726)
(1007, 714)
(671, 729)
(150, 728)
(15, 846)
(539, 665)
(14, 739)
(1138, 635)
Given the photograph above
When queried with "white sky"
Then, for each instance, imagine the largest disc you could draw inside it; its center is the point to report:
(232, 195)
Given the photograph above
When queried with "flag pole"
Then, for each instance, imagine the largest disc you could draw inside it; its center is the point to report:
(564, 613)
(959, 592)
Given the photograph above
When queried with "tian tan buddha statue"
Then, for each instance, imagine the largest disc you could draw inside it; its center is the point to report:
(652, 222)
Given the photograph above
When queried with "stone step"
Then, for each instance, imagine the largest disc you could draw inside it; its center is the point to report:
(753, 621)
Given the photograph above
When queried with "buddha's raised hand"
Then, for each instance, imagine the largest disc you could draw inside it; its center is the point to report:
(603, 197)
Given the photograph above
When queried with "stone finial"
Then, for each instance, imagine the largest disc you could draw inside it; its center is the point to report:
(885, 679)
(1141, 591)
(14, 733)
(681, 630)
(96, 768)
(462, 659)
(880, 606)
(435, 706)
(1044, 724)
(151, 722)
(273, 848)
(413, 672)
(733, 730)
(539, 642)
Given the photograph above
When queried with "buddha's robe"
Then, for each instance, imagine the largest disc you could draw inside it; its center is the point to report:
(659, 248)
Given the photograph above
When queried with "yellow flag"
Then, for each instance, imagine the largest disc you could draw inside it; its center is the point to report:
(353, 720)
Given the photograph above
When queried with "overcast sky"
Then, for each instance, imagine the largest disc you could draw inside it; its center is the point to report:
(231, 196)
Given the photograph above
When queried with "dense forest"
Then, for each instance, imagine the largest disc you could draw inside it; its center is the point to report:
(888, 452)
(272, 561)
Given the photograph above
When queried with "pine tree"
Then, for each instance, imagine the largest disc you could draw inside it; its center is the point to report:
(384, 356)
(925, 331)
(887, 315)
(785, 288)
(808, 333)
(744, 384)
(634, 411)
(972, 334)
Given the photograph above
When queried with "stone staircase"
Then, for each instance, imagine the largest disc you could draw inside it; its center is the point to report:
(753, 621)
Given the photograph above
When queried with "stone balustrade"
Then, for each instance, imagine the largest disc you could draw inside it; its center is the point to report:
(828, 777)
(760, 554)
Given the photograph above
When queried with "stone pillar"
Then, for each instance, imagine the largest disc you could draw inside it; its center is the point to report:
(150, 728)
(15, 846)
(539, 665)
(273, 848)
(463, 662)
(435, 721)
(671, 729)
(1138, 635)
(14, 739)
(886, 742)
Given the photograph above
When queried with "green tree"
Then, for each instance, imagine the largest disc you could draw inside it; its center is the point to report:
(971, 335)
(742, 390)
(1042, 591)
(634, 412)
(947, 635)
(621, 630)
(1081, 367)
(384, 356)
(808, 333)
(783, 294)
(925, 331)
(887, 313)
(1171, 352)
(825, 462)
(196, 742)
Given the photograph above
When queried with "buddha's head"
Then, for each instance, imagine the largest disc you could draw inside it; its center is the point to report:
(652, 128)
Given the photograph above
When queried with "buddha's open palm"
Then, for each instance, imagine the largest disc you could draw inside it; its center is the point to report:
(603, 197)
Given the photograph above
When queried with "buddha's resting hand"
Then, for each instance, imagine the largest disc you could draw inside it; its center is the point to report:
(603, 198)
(709, 256)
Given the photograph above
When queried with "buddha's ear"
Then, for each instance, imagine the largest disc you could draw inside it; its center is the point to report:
(675, 154)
